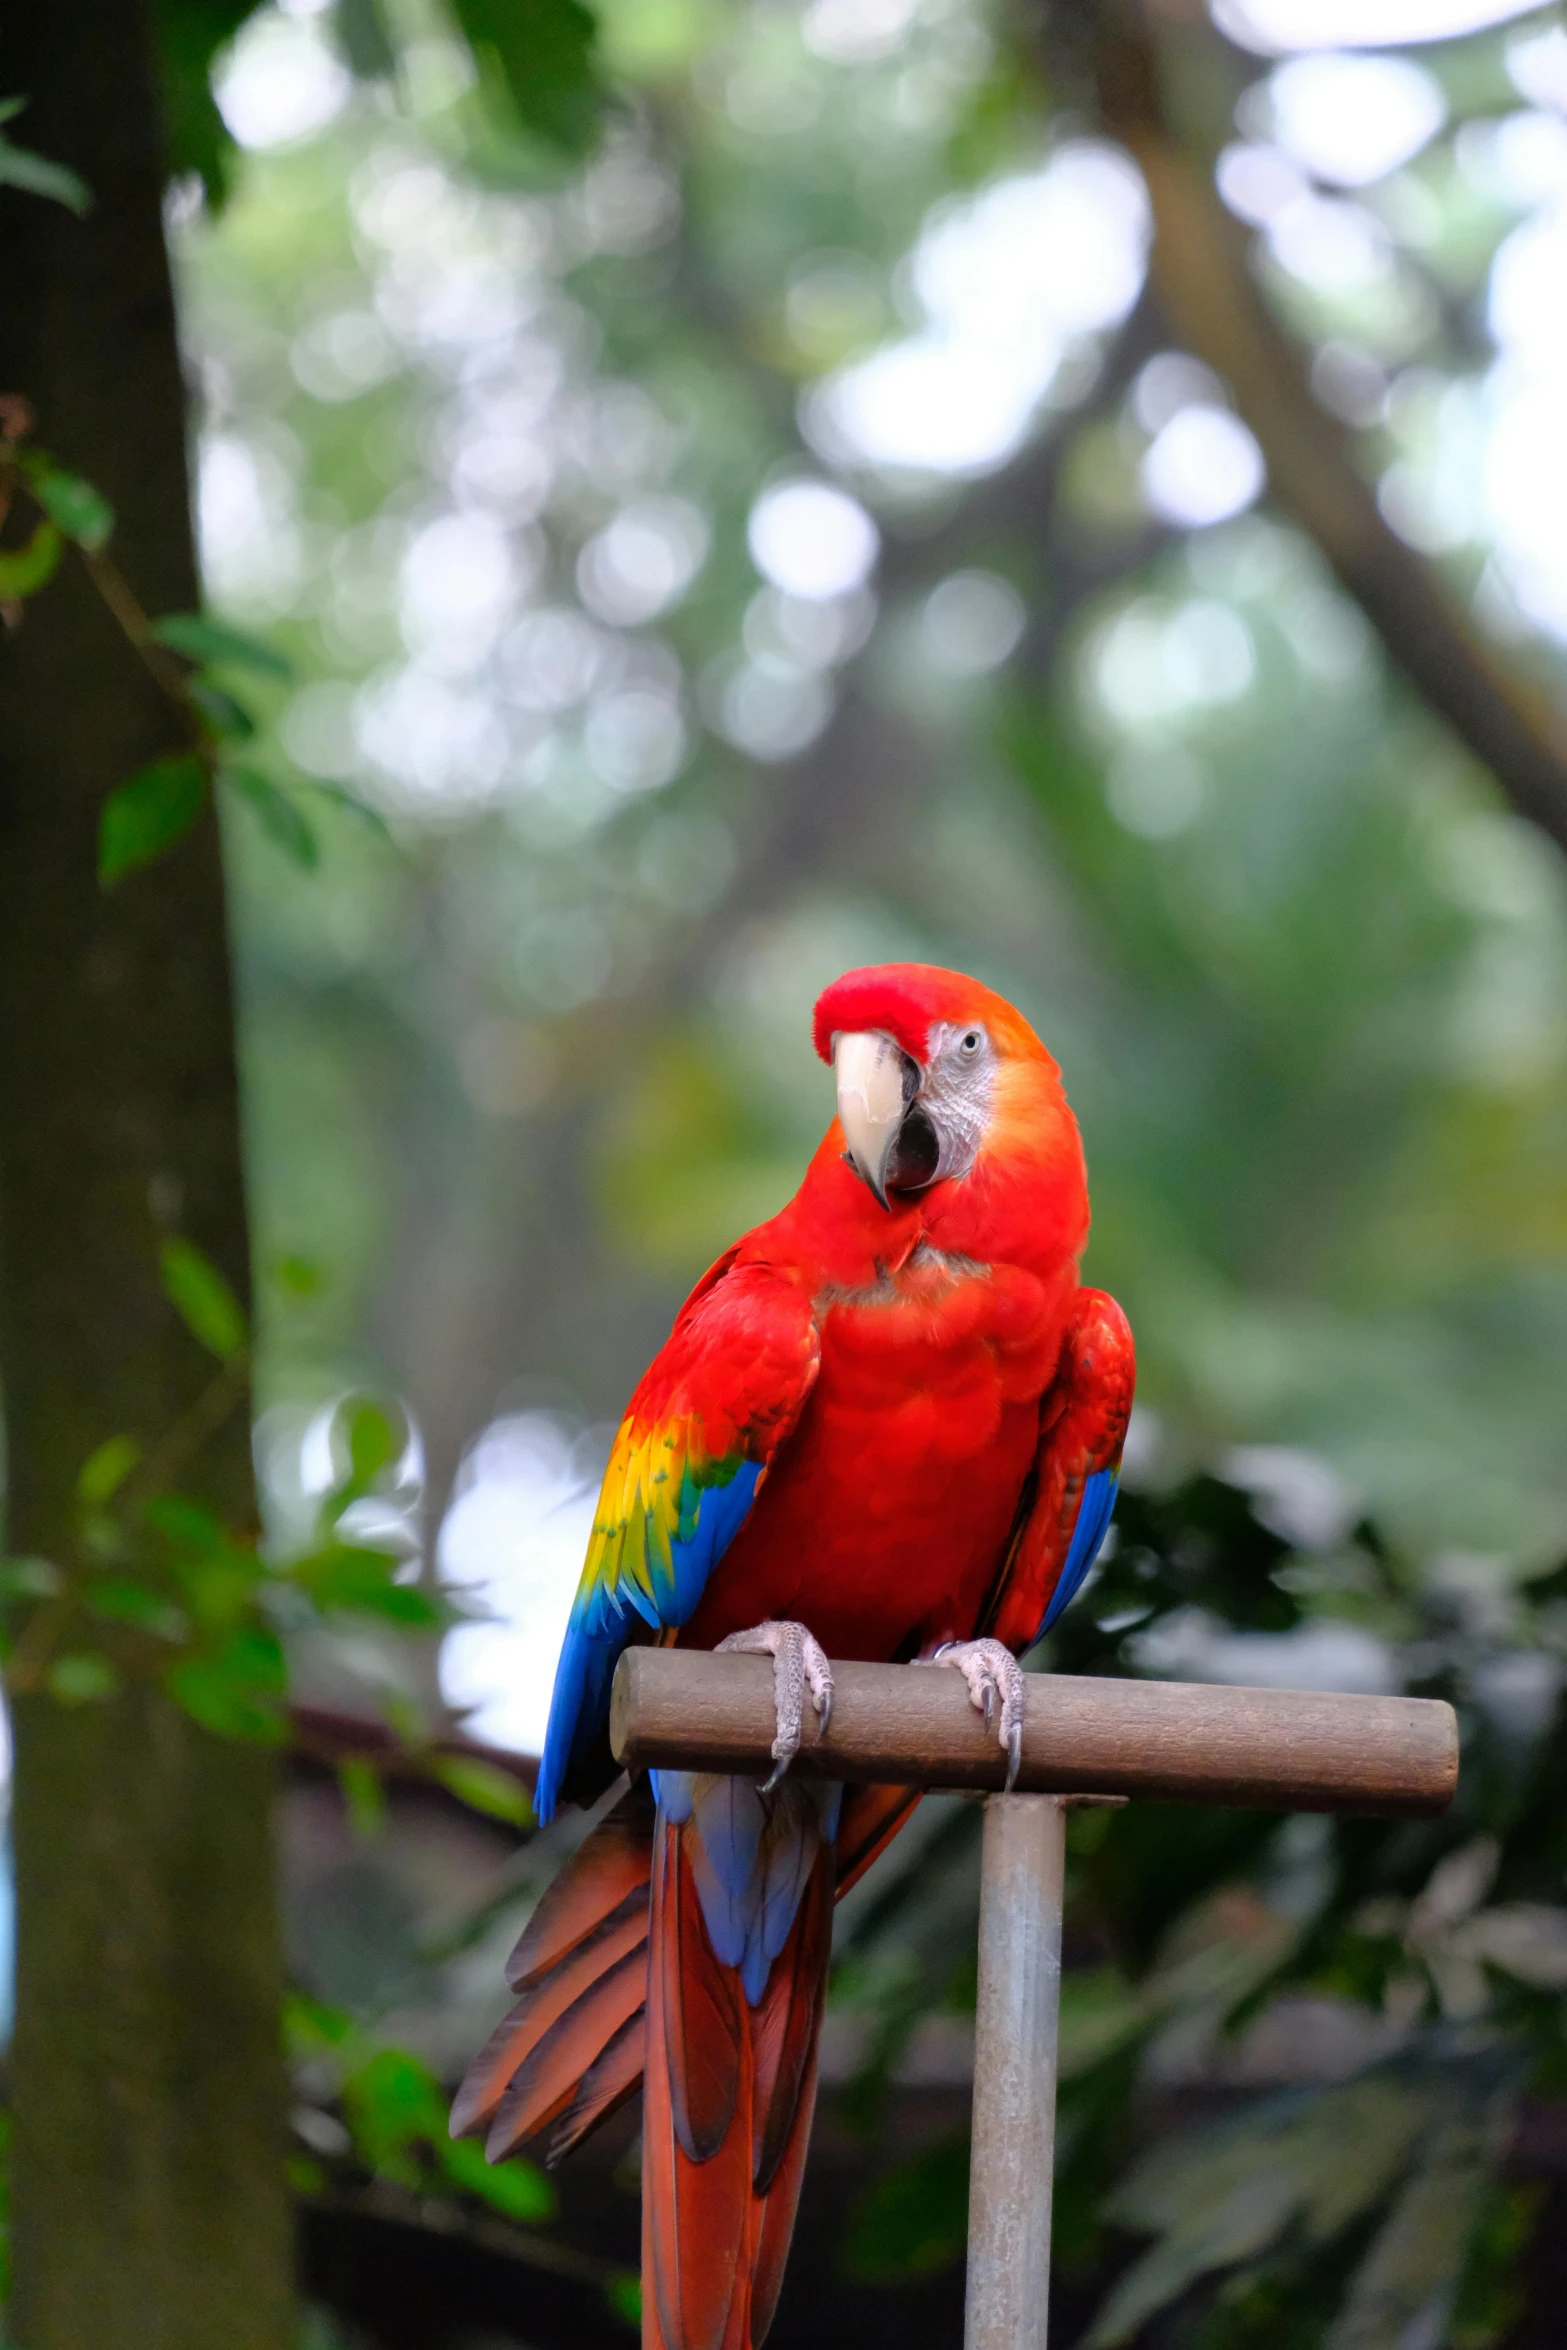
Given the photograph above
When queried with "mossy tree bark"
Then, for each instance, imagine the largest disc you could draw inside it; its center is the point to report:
(150, 2205)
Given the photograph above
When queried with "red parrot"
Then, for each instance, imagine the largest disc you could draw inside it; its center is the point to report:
(887, 1425)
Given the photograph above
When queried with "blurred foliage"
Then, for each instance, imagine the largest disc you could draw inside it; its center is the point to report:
(21, 168)
(590, 818)
(158, 1588)
(390, 2115)
(1365, 2004)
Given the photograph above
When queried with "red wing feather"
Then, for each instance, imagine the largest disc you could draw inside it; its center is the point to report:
(1082, 1428)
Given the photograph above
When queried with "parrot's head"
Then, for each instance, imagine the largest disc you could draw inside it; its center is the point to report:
(936, 1073)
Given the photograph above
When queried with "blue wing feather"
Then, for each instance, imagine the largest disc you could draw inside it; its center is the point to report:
(1093, 1519)
(600, 1628)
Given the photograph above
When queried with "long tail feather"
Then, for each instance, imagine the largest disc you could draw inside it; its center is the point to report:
(695, 2214)
(552, 2073)
(614, 2075)
(719, 2203)
(578, 1971)
(611, 1864)
(787, 2026)
(779, 2206)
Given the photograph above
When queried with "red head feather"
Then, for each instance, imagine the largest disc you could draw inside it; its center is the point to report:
(906, 1000)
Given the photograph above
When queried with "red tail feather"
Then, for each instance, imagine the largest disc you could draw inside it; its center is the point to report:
(593, 1916)
(728, 2112)
(610, 1864)
(565, 2051)
(716, 2230)
(695, 2214)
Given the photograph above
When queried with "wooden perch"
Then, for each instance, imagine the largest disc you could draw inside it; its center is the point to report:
(1176, 1741)
(1202, 278)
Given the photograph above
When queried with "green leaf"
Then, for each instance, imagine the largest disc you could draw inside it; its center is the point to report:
(191, 36)
(518, 2189)
(210, 642)
(24, 570)
(374, 1444)
(228, 719)
(187, 1525)
(203, 1300)
(484, 1786)
(624, 2295)
(364, 1792)
(541, 54)
(36, 174)
(123, 1601)
(280, 816)
(361, 1581)
(218, 1576)
(82, 1678)
(298, 1276)
(150, 812)
(236, 1692)
(82, 512)
(29, 1578)
(395, 2106)
(105, 1471)
(353, 805)
(311, 2028)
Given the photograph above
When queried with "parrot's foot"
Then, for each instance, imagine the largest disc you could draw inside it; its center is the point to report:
(996, 1685)
(798, 1665)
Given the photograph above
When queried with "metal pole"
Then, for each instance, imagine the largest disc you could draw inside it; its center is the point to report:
(1007, 2305)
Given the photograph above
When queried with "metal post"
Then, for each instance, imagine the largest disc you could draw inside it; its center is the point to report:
(1013, 2161)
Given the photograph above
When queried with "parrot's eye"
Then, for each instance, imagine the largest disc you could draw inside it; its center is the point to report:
(971, 1043)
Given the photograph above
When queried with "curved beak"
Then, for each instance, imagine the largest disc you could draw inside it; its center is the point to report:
(871, 1102)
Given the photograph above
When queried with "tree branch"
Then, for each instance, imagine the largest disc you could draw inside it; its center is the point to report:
(1203, 281)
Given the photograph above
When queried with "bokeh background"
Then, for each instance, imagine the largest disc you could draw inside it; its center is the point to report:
(794, 534)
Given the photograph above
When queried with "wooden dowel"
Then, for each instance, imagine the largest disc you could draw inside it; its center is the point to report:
(1016, 2026)
(1175, 1741)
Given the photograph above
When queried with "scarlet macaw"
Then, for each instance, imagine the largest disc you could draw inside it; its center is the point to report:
(887, 1424)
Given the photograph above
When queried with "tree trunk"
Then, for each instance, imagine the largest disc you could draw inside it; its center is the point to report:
(150, 2204)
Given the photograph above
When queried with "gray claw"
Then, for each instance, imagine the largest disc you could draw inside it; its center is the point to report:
(994, 1679)
(799, 1670)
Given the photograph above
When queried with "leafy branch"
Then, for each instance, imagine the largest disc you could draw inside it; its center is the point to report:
(36, 174)
(153, 809)
(155, 1586)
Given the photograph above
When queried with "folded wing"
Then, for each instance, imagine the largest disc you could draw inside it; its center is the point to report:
(708, 1418)
(1067, 1509)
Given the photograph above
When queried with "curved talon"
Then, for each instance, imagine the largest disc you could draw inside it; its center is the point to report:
(799, 1666)
(992, 1673)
